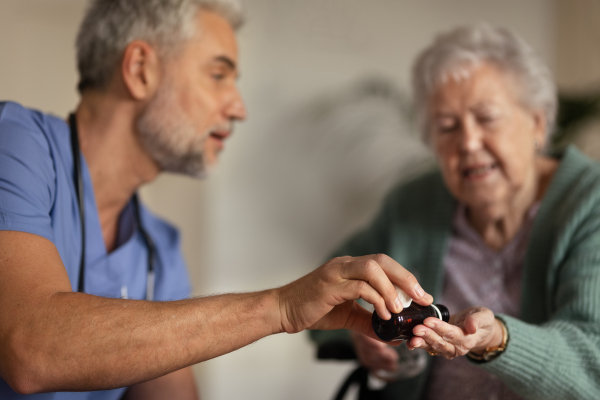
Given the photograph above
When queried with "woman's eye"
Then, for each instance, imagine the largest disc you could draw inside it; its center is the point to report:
(218, 77)
(447, 127)
(487, 118)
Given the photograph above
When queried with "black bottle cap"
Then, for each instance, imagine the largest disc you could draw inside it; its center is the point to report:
(444, 311)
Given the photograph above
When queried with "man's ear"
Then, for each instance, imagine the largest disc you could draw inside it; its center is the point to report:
(140, 70)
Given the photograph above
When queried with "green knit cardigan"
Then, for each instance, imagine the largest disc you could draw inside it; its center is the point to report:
(554, 347)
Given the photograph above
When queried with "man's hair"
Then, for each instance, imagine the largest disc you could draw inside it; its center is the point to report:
(110, 25)
(454, 53)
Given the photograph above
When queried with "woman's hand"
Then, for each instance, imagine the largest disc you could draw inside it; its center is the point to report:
(471, 330)
(373, 354)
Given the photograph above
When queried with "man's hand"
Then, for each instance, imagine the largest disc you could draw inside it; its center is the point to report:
(324, 299)
(472, 329)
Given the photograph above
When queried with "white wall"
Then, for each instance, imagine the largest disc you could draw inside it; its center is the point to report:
(292, 183)
(37, 66)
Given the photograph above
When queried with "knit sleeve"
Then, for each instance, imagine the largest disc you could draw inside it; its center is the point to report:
(560, 358)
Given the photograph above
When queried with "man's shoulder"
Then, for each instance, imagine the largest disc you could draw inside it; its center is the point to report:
(28, 171)
(11, 112)
(13, 109)
(18, 122)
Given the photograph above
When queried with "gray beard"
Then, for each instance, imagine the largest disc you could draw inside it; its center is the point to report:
(170, 138)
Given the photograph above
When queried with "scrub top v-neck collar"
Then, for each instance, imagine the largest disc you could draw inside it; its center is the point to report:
(104, 268)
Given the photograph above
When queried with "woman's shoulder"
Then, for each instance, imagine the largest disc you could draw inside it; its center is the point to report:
(577, 175)
(573, 197)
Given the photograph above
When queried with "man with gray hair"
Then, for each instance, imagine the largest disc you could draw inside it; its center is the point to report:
(81, 258)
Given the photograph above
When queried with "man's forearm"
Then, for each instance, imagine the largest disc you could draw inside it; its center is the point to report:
(81, 342)
(56, 340)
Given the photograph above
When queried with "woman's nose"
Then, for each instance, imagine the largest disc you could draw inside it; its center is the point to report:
(471, 138)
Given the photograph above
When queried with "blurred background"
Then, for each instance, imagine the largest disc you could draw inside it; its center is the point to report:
(326, 84)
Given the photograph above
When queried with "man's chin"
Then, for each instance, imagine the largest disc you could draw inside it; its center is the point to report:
(200, 172)
(200, 175)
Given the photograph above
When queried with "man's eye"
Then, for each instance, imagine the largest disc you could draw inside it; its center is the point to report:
(218, 77)
(449, 128)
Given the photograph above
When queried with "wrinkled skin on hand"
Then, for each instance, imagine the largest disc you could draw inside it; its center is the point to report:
(471, 330)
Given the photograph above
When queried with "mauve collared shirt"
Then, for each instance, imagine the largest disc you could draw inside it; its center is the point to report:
(476, 275)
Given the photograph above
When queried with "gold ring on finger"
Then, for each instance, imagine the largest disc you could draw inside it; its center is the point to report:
(432, 353)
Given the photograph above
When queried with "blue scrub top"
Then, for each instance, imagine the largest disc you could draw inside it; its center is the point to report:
(37, 195)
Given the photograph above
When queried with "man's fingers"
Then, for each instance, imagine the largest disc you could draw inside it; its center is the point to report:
(364, 290)
(403, 279)
(369, 270)
(359, 322)
(346, 278)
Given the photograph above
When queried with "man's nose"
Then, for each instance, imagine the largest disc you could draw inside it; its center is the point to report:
(236, 109)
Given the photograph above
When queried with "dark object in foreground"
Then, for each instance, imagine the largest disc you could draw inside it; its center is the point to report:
(400, 326)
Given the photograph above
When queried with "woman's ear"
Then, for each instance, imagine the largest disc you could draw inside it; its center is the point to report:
(140, 70)
(539, 129)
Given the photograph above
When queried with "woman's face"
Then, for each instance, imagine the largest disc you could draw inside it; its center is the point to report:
(484, 139)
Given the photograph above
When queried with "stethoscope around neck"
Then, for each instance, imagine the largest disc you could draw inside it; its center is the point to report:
(78, 181)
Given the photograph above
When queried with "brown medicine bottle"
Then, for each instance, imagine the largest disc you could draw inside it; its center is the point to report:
(400, 326)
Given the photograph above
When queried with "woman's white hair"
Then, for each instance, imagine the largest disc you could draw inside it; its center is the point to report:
(110, 25)
(453, 54)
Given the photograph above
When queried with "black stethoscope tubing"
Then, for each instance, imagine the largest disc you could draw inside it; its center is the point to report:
(78, 181)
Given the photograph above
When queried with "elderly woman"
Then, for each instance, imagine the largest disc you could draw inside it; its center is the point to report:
(505, 236)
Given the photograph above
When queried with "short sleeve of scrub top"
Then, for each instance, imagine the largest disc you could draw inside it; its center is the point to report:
(37, 196)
